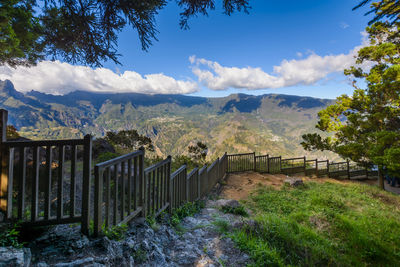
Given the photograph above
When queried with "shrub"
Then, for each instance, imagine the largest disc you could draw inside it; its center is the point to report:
(9, 236)
(235, 210)
(188, 209)
(116, 232)
(106, 156)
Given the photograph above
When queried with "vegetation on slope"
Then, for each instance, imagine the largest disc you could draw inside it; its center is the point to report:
(323, 224)
(238, 123)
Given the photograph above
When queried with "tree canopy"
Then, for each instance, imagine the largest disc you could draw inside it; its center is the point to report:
(365, 127)
(85, 31)
(198, 152)
(129, 140)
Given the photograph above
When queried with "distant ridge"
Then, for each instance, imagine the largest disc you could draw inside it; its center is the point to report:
(236, 123)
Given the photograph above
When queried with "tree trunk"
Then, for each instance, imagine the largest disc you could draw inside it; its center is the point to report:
(381, 178)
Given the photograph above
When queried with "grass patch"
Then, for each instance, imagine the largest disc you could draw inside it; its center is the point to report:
(221, 225)
(323, 224)
(235, 210)
(10, 235)
(188, 209)
(116, 232)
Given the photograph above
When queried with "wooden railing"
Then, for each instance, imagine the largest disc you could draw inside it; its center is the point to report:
(178, 192)
(241, 162)
(37, 188)
(118, 191)
(157, 187)
(49, 182)
(276, 165)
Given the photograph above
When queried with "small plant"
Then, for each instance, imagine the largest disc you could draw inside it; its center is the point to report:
(151, 220)
(188, 209)
(140, 256)
(221, 225)
(116, 232)
(235, 210)
(222, 262)
(9, 235)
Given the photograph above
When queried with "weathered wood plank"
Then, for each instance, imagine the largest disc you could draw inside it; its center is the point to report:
(87, 167)
(21, 182)
(115, 194)
(10, 169)
(123, 191)
(129, 181)
(98, 201)
(47, 193)
(72, 195)
(35, 184)
(60, 182)
(108, 196)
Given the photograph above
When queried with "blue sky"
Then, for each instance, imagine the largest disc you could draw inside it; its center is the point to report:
(243, 46)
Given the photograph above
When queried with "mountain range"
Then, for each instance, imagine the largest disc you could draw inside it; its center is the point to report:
(270, 123)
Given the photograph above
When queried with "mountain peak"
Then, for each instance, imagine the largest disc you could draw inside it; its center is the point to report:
(7, 88)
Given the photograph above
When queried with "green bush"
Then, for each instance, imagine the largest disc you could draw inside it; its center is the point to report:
(188, 209)
(116, 232)
(235, 210)
(9, 235)
(106, 156)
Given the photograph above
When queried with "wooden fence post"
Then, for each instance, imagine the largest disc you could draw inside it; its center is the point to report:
(254, 156)
(327, 167)
(142, 183)
(87, 169)
(187, 185)
(4, 161)
(316, 167)
(280, 164)
(305, 165)
(98, 201)
(348, 169)
(198, 183)
(169, 184)
(268, 163)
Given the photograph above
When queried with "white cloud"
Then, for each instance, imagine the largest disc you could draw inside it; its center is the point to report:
(344, 25)
(60, 78)
(307, 71)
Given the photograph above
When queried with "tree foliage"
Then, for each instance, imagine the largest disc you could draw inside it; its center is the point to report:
(12, 132)
(365, 127)
(198, 152)
(85, 31)
(388, 9)
(129, 140)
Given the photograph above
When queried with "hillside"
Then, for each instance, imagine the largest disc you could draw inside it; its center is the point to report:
(268, 123)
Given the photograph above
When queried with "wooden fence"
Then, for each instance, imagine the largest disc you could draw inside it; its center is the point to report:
(119, 190)
(276, 165)
(33, 180)
(49, 182)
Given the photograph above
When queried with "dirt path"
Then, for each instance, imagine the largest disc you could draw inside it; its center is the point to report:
(239, 185)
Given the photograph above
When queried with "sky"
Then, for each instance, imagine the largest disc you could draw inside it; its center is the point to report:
(283, 47)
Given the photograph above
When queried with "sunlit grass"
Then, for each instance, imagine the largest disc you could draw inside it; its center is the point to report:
(324, 224)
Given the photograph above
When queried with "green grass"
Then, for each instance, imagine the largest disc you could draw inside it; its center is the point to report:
(323, 224)
(235, 210)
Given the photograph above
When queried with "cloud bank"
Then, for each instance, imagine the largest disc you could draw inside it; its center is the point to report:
(307, 71)
(58, 78)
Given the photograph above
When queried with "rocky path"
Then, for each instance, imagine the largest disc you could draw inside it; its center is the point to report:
(197, 241)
